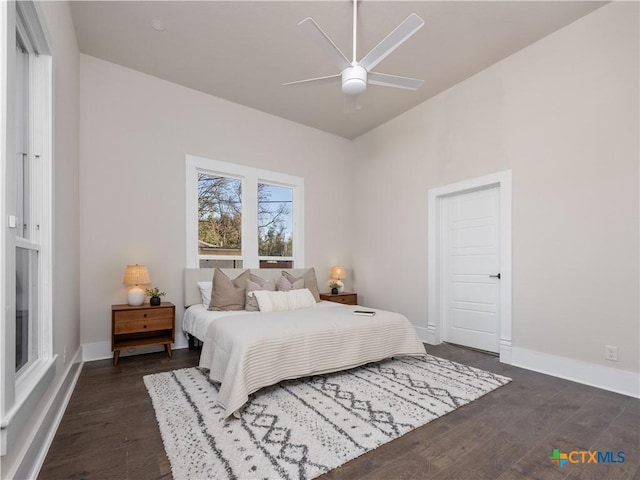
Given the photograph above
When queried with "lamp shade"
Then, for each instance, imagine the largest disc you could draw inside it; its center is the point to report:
(136, 275)
(338, 272)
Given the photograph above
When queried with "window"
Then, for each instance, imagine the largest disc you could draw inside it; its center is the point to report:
(26, 158)
(275, 217)
(242, 217)
(32, 74)
(219, 221)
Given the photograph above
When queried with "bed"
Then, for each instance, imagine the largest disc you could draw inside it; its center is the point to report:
(245, 351)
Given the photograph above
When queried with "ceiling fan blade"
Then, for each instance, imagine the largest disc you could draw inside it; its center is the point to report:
(327, 79)
(411, 25)
(385, 80)
(352, 103)
(324, 42)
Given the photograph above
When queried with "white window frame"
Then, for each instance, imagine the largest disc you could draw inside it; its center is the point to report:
(21, 390)
(250, 178)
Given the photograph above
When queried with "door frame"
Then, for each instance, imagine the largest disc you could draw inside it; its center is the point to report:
(502, 180)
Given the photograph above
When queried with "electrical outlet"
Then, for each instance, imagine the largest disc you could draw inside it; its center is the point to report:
(64, 354)
(611, 353)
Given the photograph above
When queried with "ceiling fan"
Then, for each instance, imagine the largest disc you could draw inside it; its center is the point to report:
(355, 75)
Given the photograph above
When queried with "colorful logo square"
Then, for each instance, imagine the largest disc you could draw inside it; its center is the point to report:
(559, 458)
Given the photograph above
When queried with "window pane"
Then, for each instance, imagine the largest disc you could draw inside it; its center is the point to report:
(22, 140)
(275, 220)
(219, 215)
(26, 303)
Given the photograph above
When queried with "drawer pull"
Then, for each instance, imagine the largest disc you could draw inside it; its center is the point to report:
(145, 315)
(144, 326)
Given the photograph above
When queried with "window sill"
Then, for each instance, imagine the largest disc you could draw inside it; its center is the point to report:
(30, 389)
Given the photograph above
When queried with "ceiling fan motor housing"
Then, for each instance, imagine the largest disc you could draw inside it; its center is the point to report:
(354, 80)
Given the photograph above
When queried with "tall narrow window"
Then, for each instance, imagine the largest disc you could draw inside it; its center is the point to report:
(27, 241)
(27, 198)
(275, 226)
(30, 203)
(25, 257)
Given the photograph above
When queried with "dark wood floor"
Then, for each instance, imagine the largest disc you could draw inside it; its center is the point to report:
(109, 430)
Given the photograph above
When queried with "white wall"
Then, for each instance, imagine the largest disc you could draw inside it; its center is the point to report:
(22, 455)
(66, 262)
(135, 132)
(563, 115)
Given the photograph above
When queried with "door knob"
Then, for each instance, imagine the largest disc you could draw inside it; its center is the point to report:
(495, 276)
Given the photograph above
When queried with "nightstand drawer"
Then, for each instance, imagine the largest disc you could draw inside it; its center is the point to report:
(138, 324)
(346, 298)
(143, 314)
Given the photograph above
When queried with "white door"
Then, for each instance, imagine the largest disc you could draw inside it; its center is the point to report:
(471, 268)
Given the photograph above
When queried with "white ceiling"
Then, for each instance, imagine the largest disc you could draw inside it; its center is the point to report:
(243, 51)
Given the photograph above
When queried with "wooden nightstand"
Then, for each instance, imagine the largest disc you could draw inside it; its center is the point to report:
(346, 298)
(141, 326)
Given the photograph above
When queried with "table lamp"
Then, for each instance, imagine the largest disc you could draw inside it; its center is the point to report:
(337, 272)
(134, 276)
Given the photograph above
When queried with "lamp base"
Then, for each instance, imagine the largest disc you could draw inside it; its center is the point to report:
(135, 297)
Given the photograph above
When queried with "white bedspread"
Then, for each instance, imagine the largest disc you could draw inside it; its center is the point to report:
(247, 352)
(197, 318)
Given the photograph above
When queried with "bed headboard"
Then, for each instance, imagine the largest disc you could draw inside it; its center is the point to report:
(194, 275)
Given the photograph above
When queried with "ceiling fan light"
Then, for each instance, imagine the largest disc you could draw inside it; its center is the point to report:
(354, 80)
(355, 86)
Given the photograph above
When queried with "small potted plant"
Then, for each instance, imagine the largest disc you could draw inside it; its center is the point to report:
(155, 295)
(335, 286)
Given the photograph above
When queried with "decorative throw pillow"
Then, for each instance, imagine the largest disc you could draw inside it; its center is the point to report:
(310, 281)
(281, 301)
(284, 285)
(228, 294)
(205, 292)
(254, 284)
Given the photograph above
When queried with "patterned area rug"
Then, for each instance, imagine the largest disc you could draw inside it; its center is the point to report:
(300, 429)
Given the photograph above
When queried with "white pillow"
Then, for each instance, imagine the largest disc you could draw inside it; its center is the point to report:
(281, 301)
(205, 292)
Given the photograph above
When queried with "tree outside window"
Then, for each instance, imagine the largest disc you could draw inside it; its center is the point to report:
(220, 218)
(274, 221)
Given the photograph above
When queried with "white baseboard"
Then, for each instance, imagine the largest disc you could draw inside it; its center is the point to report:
(600, 376)
(42, 435)
(505, 350)
(102, 350)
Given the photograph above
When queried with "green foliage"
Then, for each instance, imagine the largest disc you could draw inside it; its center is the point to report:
(220, 217)
(154, 292)
(220, 211)
(274, 243)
